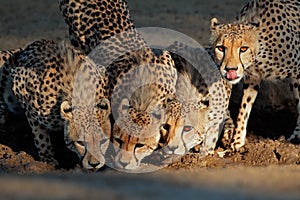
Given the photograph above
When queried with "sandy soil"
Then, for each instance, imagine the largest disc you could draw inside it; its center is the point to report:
(267, 168)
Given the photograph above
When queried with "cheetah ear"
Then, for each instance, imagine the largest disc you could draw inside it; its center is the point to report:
(255, 24)
(204, 102)
(214, 22)
(169, 98)
(104, 104)
(124, 106)
(66, 110)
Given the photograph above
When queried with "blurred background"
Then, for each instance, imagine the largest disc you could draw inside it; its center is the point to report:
(23, 21)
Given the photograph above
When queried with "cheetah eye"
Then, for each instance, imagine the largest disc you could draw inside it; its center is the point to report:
(126, 107)
(187, 128)
(221, 48)
(243, 49)
(102, 142)
(156, 115)
(79, 143)
(139, 145)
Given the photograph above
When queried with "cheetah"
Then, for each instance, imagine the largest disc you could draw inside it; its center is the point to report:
(138, 103)
(262, 45)
(186, 119)
(202, 96)
(59, 88)
(105, 32)
(93, 21)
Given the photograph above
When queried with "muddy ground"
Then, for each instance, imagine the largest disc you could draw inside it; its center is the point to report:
(268, 167)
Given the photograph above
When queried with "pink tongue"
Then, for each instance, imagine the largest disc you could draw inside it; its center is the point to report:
(231, 75)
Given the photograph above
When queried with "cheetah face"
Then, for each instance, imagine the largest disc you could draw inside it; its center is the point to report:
(87, 132)
(186, 130)
(135, 135)
(235, 47)
(130, 150)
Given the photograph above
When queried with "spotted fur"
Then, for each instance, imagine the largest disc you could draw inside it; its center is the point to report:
(263, 44)
(198, 86)
(187, 118)
(93, 21)
(104, 30)
(52, 81)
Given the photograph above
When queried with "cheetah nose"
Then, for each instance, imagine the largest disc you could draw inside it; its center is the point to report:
(123, 164)
(94, 165)
(228, 68)
(170, 149)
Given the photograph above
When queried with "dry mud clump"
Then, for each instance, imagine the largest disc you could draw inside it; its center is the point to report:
(20, 162)
(258, 151)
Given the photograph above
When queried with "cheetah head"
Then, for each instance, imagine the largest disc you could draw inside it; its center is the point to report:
(87, 131)
(186, 117)
(136, 134)
(235, 47)
(185, 126)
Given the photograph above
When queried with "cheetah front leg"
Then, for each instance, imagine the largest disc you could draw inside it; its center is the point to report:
(213, 135)
(249, 96)
(295, 86)
(210, 140)
(3, 107)
(42, 142)
(3, 115)
(228, 130)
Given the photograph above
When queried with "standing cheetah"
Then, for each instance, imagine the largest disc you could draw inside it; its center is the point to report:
(52, 81)
(263, 44)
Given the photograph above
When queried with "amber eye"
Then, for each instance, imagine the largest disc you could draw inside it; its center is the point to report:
(187, 128)
(243, 49)
(221, 48)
